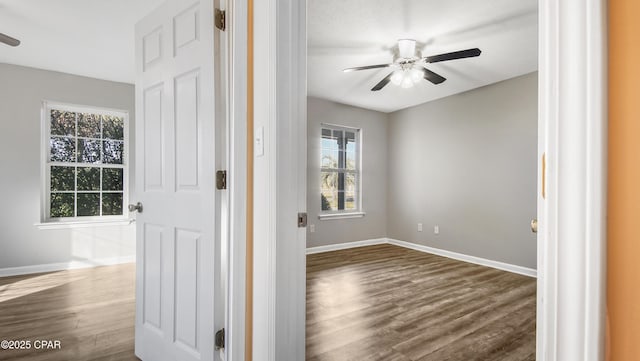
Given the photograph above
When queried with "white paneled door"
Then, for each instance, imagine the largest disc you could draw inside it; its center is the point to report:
(178, 283)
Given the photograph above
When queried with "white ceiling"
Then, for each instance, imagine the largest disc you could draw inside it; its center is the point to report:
(94, 38)
(349, 33)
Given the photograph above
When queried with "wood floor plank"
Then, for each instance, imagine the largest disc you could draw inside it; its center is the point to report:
(386, 302)
(90, 311)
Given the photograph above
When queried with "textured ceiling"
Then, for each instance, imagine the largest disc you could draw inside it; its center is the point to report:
(348, 33)
(93, 38)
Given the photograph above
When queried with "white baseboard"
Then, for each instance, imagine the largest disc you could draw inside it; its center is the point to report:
(439, 252)
(466, 258)
(52, 267)
(339, 246)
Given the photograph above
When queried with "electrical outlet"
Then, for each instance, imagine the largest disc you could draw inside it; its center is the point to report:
(436, 229)
(419, 227)
(312, 228)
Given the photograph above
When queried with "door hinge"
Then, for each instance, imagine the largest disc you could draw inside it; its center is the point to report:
(220, 19)
(219, 339)
(302, 220)
(221, 179)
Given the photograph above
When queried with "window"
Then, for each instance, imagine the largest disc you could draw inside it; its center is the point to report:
(340, 169)
(85, 163)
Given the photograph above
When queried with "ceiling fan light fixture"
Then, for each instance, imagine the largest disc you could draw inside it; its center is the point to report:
(406, 48)
(397, 77)
(416, 75)
(406, 82)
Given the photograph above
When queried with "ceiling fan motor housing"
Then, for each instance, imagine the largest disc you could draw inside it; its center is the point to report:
(406, 52)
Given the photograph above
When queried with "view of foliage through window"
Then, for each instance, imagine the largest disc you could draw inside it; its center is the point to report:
(86, 167)
(339, 169)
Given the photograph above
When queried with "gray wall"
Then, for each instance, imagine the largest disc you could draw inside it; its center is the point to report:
(22, 91)
(468, 164)
(374, 132)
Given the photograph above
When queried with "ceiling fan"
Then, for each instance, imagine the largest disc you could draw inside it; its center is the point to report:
(9, 40)
(409, 65)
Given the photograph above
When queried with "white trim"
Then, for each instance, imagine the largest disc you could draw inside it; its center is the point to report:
(347, 245)
(280, 174)
(572, 134)
(65, 225)
(525, 271)
(265, 184)
(330, 216)
(52, 267)
(236, 149)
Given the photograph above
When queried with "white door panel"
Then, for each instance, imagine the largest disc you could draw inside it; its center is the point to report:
(177, 258)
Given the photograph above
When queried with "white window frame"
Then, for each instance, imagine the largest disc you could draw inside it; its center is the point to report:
(344, 213)
(45, 170)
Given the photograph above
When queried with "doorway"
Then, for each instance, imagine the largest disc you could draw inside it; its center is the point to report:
(572, 268)
(442, 164)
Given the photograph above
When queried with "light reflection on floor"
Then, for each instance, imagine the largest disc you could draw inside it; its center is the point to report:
(26, 286)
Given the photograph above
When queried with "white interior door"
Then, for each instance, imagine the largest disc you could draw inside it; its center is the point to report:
(178, 288)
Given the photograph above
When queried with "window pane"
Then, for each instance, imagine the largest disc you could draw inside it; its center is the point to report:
(329, 181)
(63, 178)
(88, 204)
(329, 200)
(88, 151)
(329, 158)
(89, 125)
(350, 151)
(62, 149)
(62, 205)
(112, 179)
(112, 204)
(329, 141)
(328, 195)
(350, 201)
(350, 182)
(113, 127)
(112, 151)
(88, 179)
(351, 137)
(63, 123)
(351, 161)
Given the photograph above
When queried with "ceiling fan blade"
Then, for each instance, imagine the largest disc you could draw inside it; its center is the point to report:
(366, 67)
(382, 83)
(9, 40)
(433, 77)
(469, 53)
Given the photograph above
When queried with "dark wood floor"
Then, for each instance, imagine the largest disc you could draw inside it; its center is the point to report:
(389, 303)
(90, 311)
(381, 303)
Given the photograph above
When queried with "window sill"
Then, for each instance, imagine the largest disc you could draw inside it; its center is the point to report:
(330, 216)
(84, 224)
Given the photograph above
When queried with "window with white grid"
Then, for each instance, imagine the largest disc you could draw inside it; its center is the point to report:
(85, 163)
(340, 169)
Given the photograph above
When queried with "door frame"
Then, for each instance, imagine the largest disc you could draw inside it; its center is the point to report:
(235, 64)
(572, 137)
